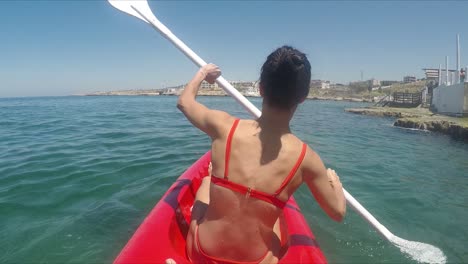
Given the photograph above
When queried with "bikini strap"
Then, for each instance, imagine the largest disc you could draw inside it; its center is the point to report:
(293, 171)
(228, 148)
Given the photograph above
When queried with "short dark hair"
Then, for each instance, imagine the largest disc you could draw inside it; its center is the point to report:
(285, 77)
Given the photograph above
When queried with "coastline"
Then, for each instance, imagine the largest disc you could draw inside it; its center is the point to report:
(344, 99)
(216, 92)
(419, 118)
(415, 118)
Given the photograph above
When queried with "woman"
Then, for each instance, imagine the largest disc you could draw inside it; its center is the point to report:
(257, 165)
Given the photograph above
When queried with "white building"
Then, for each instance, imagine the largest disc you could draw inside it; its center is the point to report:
(243, 85)
(374, 82)
(252, 91)
(320, 84)
(387, 82)
(371, 83)
(207, 86)
(409, 79)
(451, 99)
(451, 96)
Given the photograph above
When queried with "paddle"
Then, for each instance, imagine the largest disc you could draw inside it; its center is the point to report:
(421, 252)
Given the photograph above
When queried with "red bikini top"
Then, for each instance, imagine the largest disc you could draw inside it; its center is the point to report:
(267, 197)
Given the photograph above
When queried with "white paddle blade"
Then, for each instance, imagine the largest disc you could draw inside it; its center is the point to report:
(421, 252)
(129, 6)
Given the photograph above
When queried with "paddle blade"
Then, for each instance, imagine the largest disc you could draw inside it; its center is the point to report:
(131, 6)
(421, 252)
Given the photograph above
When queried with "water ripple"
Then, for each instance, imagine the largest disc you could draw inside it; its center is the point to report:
(79, 174)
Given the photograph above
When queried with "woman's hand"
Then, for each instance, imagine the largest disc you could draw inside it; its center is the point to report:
(211, 72)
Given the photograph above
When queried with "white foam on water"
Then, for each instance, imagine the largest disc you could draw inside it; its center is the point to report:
(412, 129)
(421, 252)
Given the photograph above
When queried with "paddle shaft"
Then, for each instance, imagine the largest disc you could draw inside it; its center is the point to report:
(382, 230)
(200, 62)
(358, 208)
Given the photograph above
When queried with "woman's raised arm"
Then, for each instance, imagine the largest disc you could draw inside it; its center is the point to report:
(207, 120)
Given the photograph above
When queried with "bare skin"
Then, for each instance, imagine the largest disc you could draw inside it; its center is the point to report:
(234, 226)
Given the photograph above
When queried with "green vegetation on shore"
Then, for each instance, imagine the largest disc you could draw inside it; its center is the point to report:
(361, 91)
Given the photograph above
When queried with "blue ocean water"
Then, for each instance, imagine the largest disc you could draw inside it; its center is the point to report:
(79, 174)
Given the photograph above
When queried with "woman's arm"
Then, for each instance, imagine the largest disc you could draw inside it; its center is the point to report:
(205, 119)
(325, 185)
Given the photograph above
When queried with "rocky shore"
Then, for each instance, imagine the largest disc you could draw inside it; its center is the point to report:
(214, 92)
(420, 118)
(346, 99)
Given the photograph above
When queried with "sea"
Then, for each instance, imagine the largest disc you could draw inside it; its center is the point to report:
(79, 174)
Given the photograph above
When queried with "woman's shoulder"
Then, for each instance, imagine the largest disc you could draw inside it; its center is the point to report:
(246, 121)
(295, 140)
(310, 156)
(221, 122)
(312, 164)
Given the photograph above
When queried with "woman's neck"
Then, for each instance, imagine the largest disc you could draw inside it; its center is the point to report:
(275, 119)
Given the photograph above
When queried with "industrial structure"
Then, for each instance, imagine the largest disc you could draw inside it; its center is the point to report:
(450, 95)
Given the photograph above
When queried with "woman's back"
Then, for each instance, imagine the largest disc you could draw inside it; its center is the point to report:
(257, 165)
(260, 158)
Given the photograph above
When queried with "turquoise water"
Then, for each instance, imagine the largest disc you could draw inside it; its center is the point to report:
(79, 174)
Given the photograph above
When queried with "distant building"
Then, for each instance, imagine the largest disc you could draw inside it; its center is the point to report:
(388, 83)
(450, 99)
(431, 74)
(252, 91)
(369, 83)
(205, 85)
(338, 87)
(373, 82)
(409, 79)
(320, 84)
(243, 85)
(171, 91)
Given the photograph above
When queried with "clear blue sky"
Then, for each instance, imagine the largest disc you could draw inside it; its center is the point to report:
(68, 47)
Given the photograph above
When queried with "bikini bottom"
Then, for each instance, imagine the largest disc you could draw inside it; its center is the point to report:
(199, 256)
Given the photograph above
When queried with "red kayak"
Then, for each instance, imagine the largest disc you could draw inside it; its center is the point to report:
(162, 234)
